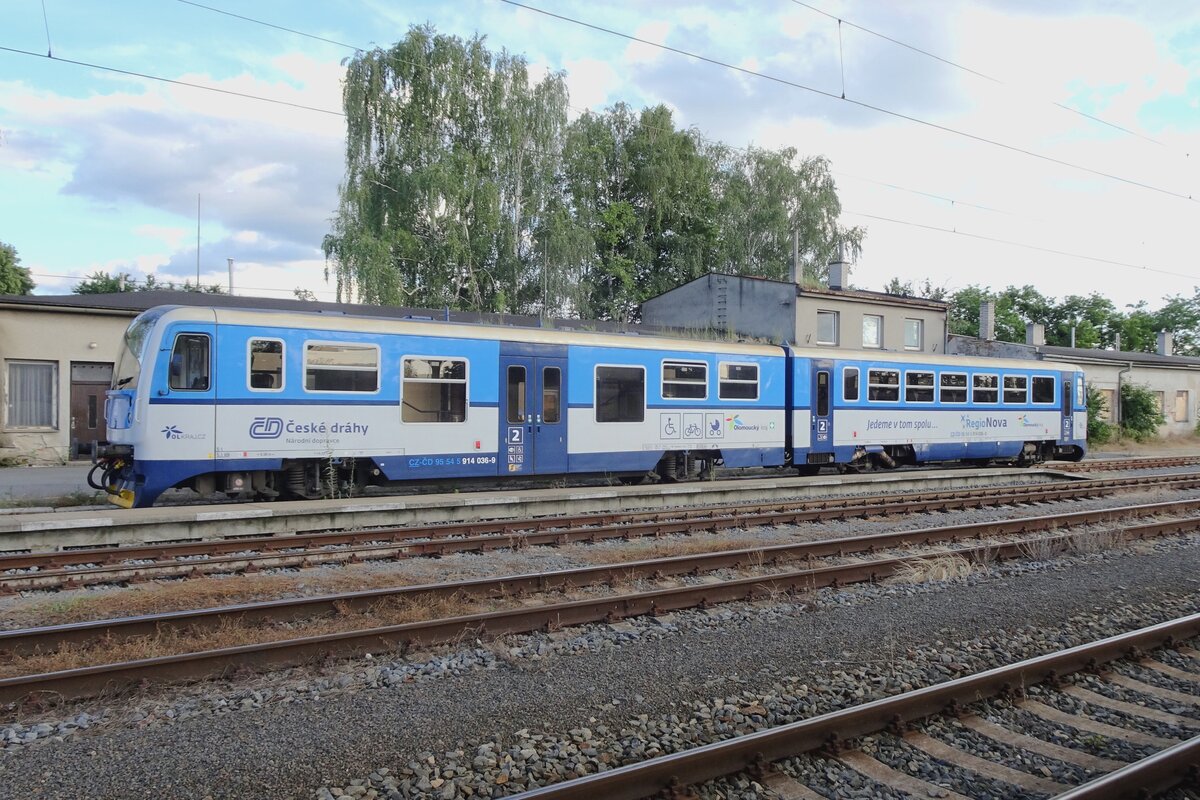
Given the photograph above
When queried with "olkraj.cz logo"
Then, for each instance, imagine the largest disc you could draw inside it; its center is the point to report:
(266, 428)
(172, 433)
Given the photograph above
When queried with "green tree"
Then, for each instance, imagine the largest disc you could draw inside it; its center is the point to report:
(104, 283)
(14, 279)
(451, 157)
(926, 289)
(1098, 431)
(1140, 415)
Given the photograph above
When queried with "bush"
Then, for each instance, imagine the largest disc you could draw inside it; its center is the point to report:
(1098, 431)
(1140, 416)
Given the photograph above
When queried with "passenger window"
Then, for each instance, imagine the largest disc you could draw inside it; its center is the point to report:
(850, 384)
(1016, 389)
(985, 389)
(918, 387)
(516, 395)
(336, 367)
(435, 390)
(189, 363)
(620, 394)
(686, 380)
(1043, 389)
(266, 365)
(954, 387)
(738, 381)
(551, 394)
(883, 385)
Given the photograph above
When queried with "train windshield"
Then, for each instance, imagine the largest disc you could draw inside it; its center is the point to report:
(129, 366)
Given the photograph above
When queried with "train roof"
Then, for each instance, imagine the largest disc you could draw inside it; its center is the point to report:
(326, 320)
(321, 320)
(934, 359)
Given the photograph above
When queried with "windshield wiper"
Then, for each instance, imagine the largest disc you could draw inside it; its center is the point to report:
(122, 382)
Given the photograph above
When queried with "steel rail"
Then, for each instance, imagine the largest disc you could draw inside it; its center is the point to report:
(92, 680)
(755, 751)
(29, 640)
(313, 549)
(1128, 463)
(1152, 775)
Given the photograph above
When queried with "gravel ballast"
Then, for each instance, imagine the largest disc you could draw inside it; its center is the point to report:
(624, 685)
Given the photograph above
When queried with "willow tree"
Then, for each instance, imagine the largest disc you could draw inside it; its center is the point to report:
(451, 157)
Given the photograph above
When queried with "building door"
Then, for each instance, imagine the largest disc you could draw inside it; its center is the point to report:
(89, 382)
(533, 425)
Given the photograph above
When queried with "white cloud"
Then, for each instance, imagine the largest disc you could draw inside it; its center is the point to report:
(590, 82)
(639, 53)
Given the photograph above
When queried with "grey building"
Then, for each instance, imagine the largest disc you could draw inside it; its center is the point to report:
(781, 311)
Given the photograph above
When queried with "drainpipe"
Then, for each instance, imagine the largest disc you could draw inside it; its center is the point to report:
(1117, 399)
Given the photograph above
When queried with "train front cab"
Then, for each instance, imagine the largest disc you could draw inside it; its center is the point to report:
(160, 410)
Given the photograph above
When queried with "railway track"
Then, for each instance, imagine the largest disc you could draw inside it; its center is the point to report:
(1109, 464)
(78, 568)
(524, 617)
(1026, 686)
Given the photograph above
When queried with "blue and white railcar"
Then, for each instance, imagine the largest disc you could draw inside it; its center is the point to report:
(263, 404)
(898, 408)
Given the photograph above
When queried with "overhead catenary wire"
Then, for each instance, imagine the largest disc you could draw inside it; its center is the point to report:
(633, 38)
(964, 68)
(172, 81)
(859, 103)
(358, 49)
(1024, 245)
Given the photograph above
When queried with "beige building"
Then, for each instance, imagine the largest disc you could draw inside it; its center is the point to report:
(56, 361)
(780, 311)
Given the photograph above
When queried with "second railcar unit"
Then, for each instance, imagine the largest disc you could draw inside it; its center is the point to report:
(267, 404)
(889, 409)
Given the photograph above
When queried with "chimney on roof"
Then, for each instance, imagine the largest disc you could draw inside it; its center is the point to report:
(1035, 334)
(987, 320)
(1117, 341)
(839, 270)
(1166, 343)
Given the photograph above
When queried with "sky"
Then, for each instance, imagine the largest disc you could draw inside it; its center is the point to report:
(1054, 145)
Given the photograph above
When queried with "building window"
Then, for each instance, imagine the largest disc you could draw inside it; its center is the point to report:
(266, 365)
(1181, 406)
(1106, 414)
(1043, 389)
(189, 363)
(337, 367)
(1016, 389)
(984, 389)
(954, 387)
(435, 390)
(883, 385)
(32, 394)
(620, 394)
(872, 331)
(850, 384)
(827, 328)
(914, 334)
(1158, 402)
(738, 381)
(918, 387)
(685, 380)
